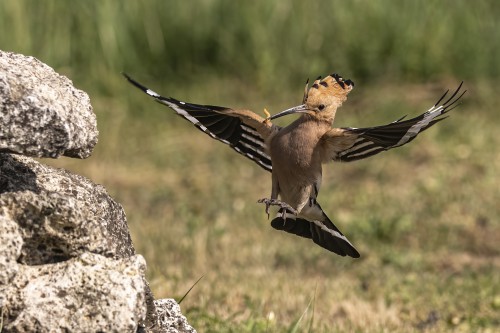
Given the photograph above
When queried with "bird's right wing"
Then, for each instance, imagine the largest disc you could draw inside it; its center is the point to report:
(243, 130)
(351, 144)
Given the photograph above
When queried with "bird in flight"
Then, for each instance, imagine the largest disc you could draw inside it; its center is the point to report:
(295, 154)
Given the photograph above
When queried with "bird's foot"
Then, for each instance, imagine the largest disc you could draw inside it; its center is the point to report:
(274, 202)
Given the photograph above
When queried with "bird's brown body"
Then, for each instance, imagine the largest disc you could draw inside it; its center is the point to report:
(295, 153)
(297, 161)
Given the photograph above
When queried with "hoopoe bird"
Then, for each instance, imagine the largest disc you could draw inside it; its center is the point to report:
(295, 153)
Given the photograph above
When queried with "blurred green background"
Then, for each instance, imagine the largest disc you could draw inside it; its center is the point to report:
(424, 217)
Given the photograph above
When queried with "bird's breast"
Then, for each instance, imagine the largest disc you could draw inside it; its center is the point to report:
(296, 160)
(296, 164)
(296, 146)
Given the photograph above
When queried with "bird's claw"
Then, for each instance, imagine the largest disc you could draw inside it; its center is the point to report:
(267, 202)
(274, 202)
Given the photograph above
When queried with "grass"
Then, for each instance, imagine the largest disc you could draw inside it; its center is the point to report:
(424, 217)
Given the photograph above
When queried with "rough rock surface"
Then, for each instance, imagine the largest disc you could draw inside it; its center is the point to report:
(41, 113)
(62, 215)
(66, 257)
(89, 293)
(170, 318)
(65, 249)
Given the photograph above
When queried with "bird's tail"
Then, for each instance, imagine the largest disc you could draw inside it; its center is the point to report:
(324, 233)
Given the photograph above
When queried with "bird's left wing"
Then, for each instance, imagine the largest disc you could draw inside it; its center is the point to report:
(351, 144)
(242, 130)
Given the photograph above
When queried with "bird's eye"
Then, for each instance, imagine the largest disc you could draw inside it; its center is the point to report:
(321, 107)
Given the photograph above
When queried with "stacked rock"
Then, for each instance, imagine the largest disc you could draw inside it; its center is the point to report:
(67, 262)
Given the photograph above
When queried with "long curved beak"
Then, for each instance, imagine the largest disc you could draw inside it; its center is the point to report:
(296, 109)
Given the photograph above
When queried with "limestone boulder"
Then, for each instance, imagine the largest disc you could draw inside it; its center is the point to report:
(67, 262)
(61, 215)
(88, 293)
(41, 113)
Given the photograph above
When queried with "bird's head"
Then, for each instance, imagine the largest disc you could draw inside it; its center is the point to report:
(322, 99)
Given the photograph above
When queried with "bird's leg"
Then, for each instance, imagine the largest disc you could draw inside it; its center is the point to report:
(275, 202)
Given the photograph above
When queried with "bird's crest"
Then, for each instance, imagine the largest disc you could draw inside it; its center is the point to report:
(331, 88)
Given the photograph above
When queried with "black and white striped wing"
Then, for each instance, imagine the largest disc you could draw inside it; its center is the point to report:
(220, 123)
(373, 140)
